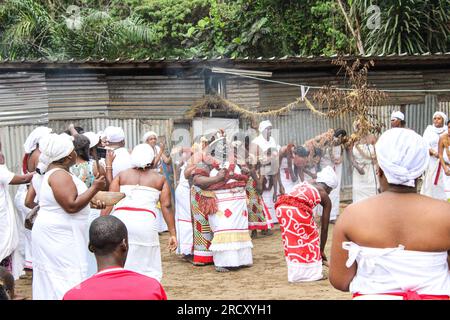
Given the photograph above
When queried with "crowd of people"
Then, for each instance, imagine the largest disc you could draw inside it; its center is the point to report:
(214, 196)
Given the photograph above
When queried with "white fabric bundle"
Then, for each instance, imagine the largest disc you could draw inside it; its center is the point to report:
(148, 135)
(34, 137)
(263, 125)
(54, 147)
(94, 138)
(142, 155)
(397, 115)
(114, 134)
(402, 155)
(328, 176)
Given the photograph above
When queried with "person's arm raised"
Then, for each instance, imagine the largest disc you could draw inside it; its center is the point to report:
(339, 275)
(66, 193)
(165, 199)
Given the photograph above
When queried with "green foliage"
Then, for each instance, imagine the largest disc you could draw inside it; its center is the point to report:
(156, 28)
(407, 26)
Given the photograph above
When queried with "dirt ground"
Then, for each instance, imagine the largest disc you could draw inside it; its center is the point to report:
(265, 280)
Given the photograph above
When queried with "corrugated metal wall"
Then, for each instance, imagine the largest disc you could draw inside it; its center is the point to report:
(161, 97)
(77, 95)
(243, 92)
(23, 98)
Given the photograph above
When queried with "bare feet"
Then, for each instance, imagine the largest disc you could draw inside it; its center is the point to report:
(265, 233)
(254, 234)
(222, 269)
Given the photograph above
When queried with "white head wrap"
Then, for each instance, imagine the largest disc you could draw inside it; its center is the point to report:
(148, 135)
(142, 155)
(34, 137)
(402, 155)
(443, 115)
(397, 115)
(263, 125)
(54, 147)
(94, 138)
(114, 134)
(328, 176)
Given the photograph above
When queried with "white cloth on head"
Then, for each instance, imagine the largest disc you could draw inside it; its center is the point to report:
(54, 147)
(148, 135)
(114, 134)
(328, 176)
(94, 138)
(142, 155)
(122, 161)
(34, 137)
(403, 156)
(263, 125)
(397, 115)
(443, 115)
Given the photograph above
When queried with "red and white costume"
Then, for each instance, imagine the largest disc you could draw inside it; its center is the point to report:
(299, 233)
(231, 245)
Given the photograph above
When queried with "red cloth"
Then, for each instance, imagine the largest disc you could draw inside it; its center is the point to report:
(411, 295)
(299, 232)
(117, 284)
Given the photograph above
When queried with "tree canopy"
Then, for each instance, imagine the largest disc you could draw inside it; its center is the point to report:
(195, 28)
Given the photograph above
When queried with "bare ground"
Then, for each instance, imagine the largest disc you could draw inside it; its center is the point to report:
(265, 280)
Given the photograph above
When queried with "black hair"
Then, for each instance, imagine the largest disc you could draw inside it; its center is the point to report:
(448, 121)
(81, 144)
(318, 152)
(105, 234)
(301, 151)
(339, 132)
(80, 130)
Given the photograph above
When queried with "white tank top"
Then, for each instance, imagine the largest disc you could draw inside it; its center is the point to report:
(47, 201)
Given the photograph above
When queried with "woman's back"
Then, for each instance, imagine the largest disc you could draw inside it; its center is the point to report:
(147, 178)
(420, 223)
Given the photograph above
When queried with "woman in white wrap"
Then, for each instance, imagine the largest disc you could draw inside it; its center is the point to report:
(433, 180)
(363, 158)
(9, 224)
(59, 232)
(394, 245)
(144, 188)
(160, 164)
(183, 212)
(30, 161)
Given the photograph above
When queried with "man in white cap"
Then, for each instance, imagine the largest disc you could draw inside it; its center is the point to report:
(398, 119)
(394, 245)
(433, 179)
(266, 149)
(304, 249)
(120, 159)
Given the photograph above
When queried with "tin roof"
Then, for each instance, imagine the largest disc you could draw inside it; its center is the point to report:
(199, 62)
